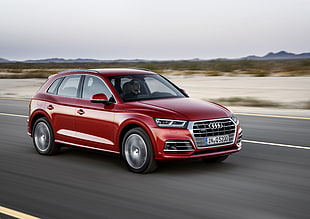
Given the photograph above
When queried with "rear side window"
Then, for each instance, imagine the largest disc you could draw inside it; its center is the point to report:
(53, 88)
(69, 86)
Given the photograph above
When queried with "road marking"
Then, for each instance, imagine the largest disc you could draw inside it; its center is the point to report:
(15, 214)
(276, 144)
(14, 98)
(273, 116)
(14, 115)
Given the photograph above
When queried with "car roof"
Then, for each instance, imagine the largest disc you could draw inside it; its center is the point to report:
(109, 71)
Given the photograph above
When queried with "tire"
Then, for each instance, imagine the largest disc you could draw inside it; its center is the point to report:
(215, 159)
(43, 137)
(137, 151)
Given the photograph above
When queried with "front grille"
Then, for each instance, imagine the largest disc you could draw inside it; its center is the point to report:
(203, 130)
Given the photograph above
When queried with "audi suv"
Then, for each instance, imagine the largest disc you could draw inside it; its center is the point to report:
(135, 113)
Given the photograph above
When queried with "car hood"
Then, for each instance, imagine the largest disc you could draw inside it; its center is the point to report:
(181, 108)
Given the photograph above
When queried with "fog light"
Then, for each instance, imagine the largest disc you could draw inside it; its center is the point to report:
(178, 146)
(239, 139)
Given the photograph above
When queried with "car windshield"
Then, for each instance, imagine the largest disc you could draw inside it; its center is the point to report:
(138, 87)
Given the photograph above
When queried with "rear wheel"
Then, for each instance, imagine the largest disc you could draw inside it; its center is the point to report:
(215, 159)
(137, 151)
(43, 137)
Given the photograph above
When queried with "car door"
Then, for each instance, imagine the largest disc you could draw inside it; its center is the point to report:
(95, 121)
(62, 109)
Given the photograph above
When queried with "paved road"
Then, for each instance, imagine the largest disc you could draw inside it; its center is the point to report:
(261, 181)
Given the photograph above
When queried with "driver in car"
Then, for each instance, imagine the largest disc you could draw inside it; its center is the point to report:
(133, 91)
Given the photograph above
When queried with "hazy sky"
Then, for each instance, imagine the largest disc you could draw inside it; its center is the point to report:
(152, 29)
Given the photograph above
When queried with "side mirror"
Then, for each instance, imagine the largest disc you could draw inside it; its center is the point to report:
(99, 98)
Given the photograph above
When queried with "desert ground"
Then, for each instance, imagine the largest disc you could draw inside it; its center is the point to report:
(286, 90)
(289, 92)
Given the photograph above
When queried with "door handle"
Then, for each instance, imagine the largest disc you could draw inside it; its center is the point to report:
(80, 111)
(50, 107)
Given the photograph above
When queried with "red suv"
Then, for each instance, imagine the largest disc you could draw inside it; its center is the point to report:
(135, 113)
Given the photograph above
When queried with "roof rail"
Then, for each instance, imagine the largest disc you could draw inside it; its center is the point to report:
(143, 69)
(78, 70)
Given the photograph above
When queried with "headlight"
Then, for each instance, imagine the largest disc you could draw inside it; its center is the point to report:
(171, 123)
(234, 118)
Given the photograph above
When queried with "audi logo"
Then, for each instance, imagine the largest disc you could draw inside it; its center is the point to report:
(215, 125)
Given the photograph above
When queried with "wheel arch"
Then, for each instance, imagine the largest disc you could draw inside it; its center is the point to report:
(133, 124)
(35, 117)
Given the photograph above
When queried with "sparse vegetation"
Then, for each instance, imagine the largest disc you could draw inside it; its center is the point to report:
(256, 68)
(254, 102)
(307, 105)
(27, 73)
(246, 101)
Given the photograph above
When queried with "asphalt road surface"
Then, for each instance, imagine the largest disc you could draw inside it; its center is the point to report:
(261, 181)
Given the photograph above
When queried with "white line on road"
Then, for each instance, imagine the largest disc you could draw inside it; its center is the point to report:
(273, 116)
(15, 214)
(14, 115)
(276, 144)
(14, 98)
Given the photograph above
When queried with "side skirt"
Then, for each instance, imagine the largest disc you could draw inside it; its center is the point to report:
(84, 146)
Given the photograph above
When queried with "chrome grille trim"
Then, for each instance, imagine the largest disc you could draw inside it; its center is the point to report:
(200, 130)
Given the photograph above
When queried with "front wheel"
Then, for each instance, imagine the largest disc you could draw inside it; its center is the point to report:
(137, 151)
(43, 137)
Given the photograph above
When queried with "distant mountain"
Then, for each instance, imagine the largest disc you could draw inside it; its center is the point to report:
(4, 60)
(79, 60)
(60, 60)
(282, 55)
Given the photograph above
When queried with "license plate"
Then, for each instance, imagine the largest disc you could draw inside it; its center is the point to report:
(217, 139)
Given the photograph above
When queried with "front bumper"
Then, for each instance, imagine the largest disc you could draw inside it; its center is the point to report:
(179, 144)
(200, 154)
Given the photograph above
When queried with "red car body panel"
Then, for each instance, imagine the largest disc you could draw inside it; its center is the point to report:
(79, 122)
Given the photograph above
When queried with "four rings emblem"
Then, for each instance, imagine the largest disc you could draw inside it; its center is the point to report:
(215, 125)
